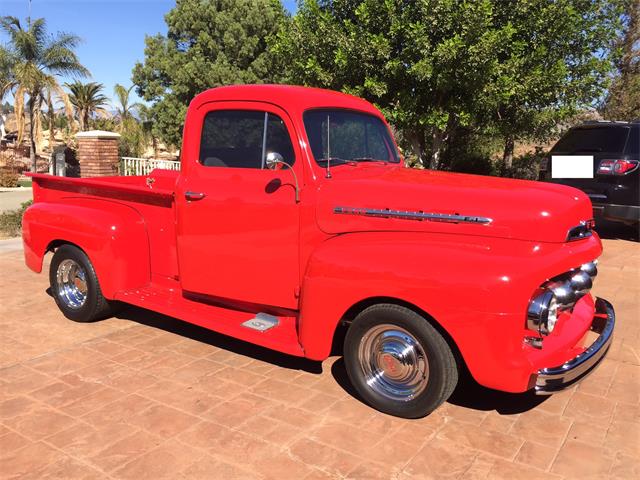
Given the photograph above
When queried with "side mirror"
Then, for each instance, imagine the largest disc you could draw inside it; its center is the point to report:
(273, 159)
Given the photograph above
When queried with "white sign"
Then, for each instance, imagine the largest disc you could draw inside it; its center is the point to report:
(572, 166)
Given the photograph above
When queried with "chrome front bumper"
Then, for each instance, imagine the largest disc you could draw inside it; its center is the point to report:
(554, 379)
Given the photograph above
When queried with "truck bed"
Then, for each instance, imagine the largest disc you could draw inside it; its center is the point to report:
(155, 188)
(152, 196)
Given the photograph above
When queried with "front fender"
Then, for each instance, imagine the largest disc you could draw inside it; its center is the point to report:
(113, 235)
(476, 288)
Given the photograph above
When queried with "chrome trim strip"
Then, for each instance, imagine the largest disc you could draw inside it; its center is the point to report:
(409, 215)
(554, 379)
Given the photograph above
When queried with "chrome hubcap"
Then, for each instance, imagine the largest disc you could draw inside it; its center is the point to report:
(72, 283)
(393, 362)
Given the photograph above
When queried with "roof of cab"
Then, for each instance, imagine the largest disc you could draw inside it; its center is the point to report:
(288, 97)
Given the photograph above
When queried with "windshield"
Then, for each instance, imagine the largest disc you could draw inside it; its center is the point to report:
(347, 136)
(601, 138)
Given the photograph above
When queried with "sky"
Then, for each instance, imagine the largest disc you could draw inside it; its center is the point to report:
(112, 31)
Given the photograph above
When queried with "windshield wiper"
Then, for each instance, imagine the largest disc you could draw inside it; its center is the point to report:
(335, 161)
(368, 159)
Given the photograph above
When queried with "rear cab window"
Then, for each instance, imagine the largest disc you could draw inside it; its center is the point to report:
(243, 138)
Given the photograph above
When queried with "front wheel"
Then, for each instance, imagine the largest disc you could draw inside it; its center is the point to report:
(398, 362)
(75, 287)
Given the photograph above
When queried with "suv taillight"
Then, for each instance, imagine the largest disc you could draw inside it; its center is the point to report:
(617, 167)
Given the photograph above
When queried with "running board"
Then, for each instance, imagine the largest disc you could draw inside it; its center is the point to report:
(261, 322)
(276, 333)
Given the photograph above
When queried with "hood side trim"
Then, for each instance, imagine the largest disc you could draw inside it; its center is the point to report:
(411, 215)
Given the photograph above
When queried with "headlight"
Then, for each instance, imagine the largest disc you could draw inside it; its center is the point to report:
(558, 294)
(542, 313)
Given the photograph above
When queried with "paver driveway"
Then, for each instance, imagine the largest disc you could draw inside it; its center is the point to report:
(146, 396)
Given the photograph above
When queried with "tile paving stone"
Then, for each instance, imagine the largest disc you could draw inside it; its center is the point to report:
(582, 460)
(120, 452)
(67, 468)
(122, 399)
(209, 467)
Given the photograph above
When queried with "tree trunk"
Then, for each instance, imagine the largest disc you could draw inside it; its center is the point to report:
(416, 139)
(81, 117)
(154, 142)
(52, 129)
(51, 113)
(507, 156)
(437, 142)
(32, 138)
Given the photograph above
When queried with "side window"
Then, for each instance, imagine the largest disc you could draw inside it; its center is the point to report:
(278, 139)
(236, 139)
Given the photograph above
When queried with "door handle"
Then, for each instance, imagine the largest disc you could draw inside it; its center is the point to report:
(192, 196)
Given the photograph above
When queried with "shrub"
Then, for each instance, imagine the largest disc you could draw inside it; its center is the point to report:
(9, 179)
(525, 166)
(11, 221)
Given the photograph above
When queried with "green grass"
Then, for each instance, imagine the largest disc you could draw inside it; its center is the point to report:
(25, 183)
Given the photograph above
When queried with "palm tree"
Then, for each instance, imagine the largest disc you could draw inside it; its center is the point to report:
(87, 98)
(147, 119)
(124, 109)
(37, 59)
(6, 77)
(6, 74)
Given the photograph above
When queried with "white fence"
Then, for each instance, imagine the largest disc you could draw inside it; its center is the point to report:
(143, 166)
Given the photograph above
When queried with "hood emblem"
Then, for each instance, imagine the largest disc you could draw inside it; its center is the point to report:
(411, 215)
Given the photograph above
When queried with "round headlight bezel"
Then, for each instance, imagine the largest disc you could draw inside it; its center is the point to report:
(542, 314)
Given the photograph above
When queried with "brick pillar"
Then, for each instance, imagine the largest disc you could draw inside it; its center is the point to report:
(98, 153)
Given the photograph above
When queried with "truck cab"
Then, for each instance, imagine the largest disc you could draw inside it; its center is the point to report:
(294, 218)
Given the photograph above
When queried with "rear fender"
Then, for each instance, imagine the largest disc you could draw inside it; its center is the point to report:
(113, 235)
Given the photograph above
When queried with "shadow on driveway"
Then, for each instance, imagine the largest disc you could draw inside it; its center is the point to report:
(468, 393)
(616, 231)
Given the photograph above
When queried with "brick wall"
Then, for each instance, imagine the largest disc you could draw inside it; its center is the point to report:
(98, 154)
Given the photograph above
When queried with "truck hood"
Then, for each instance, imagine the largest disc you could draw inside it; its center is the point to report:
(374, 197)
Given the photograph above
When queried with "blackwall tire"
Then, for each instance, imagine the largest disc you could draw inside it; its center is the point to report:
(398, 362)
(75, 286)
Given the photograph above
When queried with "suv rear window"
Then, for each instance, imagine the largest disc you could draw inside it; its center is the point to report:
(633, 143)
(605, 138)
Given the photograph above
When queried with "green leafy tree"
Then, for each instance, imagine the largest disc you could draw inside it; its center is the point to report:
(422, 63)
(553, 60)
(623, 98)
(208, 44)
(440, 67)
(37, 59)
(87, 99)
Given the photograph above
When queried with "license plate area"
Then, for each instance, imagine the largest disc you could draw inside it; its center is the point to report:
(572, 166)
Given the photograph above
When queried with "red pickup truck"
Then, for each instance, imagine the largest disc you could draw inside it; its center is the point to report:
(293, 220)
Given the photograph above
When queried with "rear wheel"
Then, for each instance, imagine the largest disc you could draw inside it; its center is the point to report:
(398, 362)
(75, 286)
